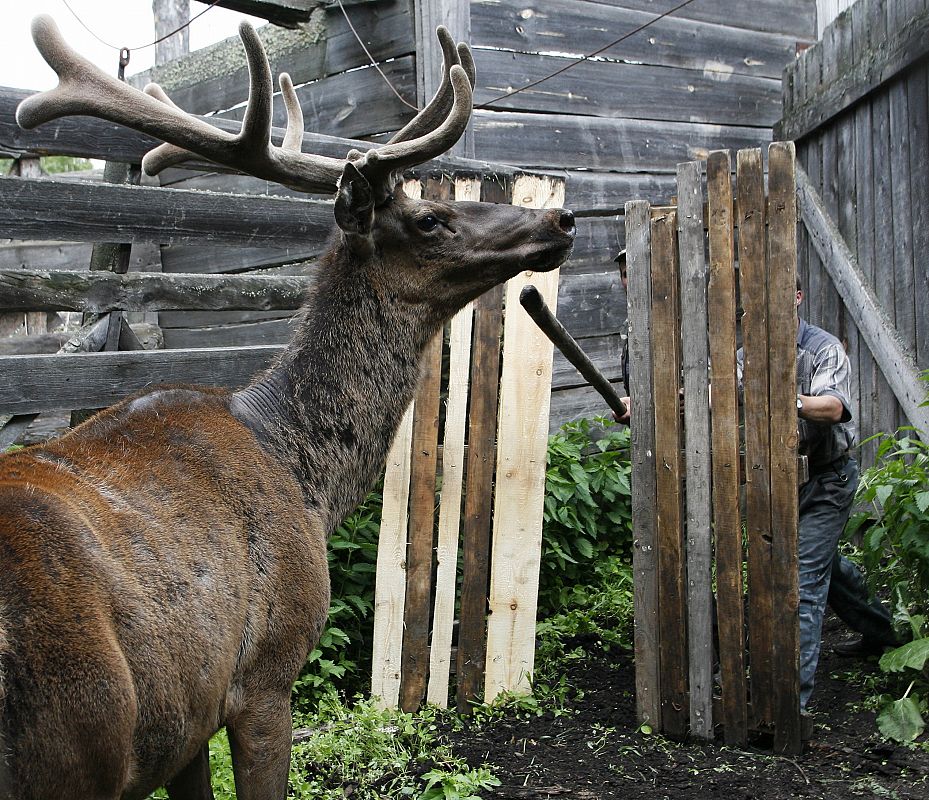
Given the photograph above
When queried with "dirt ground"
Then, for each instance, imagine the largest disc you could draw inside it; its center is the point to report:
(597, 752)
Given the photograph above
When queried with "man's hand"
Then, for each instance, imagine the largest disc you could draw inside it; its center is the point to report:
(624, 419)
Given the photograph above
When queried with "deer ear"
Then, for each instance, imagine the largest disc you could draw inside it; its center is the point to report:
(354, 202)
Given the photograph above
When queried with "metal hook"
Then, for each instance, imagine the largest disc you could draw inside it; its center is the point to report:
(123, 63)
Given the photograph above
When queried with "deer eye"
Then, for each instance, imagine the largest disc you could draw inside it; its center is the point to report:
(428, 223)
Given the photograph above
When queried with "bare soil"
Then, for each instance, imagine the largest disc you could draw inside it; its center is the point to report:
(596, 750)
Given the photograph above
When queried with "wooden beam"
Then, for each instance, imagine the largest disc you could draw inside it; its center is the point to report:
(95, 380)
(52, 209)
(885, 344)
(102, 291)
(875, 67)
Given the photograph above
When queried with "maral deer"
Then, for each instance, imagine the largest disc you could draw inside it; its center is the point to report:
(163, 565)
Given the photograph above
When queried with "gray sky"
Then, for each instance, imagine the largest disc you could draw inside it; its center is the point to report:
(123, 23)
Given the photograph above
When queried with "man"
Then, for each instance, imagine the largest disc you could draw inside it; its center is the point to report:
(624, 357)
(826, 438)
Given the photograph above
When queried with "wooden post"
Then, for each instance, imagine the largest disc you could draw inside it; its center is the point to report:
(726, 449)
(644, 553)
(478, 504)
(452, 478)
(666, 362)
(782, 336)
(525, 395)
(169, 16)
(696, 361)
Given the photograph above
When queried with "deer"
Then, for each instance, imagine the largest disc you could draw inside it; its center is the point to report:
(164, 563)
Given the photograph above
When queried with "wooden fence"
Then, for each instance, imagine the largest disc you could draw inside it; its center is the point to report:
(857, 104)
(498, 481)
(688, 529)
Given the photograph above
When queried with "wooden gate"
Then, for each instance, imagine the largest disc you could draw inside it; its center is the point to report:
(492, 491)
(691, 464)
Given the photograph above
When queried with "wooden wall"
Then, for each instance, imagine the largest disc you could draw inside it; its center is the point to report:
(858, 105)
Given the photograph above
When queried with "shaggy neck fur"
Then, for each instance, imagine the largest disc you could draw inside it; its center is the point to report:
(330, 406)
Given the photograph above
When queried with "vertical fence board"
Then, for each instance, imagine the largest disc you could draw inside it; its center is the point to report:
(782, 333)
(918, 105)
(453, 450)
(666, 363)
(900, 177)
(419, 562)
(695, 356)
(390, 586)
(525, 394)
(644, 552)
(476, 527)
(754, 299)
(726, 448)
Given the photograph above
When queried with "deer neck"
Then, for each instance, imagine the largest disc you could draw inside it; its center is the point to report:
(330, 406)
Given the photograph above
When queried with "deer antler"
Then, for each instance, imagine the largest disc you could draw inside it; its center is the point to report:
(84, 89)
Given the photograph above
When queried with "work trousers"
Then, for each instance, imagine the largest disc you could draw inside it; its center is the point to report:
(824, 503)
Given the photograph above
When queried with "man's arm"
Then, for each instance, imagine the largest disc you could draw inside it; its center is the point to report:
(824, 408)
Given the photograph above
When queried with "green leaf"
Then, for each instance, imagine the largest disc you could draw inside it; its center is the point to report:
(922, 500)
(901, 720)
(883, 492)
(910, 656)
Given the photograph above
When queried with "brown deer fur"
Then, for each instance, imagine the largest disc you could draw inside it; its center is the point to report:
(163, 566)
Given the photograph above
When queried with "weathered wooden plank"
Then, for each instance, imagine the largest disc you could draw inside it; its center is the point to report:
(918, 113)
(609, 191)
(48, 209)
(71, 256)
(813, 289)
(353, 104)
(580, 402)
(482, 457)
(644, 519)
(754, 301)
(101, 291)
(525, 386)
(421, 539)
(603, 351)
(637, 91)
(563, 141)
(591, 304)
(792, 17)
(895, 361)
(272, 331)
(902, 213)
(216, 77)
(726, 522)
(573, 26)
(831, 304)
(884, 60)
(34, 384)
(453, 455)
(782, 336)
(666, 363)
(282, 12)
(696, 362)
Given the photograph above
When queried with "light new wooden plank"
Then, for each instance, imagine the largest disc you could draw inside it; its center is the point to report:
(525, 389)
(726, 448)
(453, 454)
(644, 553)
(390, 583)
(696, 361)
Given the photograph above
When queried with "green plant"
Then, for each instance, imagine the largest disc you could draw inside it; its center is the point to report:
(895, 551)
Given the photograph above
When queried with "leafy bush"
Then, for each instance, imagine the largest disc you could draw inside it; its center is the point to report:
(895, 551)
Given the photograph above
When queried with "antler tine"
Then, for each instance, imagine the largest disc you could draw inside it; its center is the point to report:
(293, 138)
(432, 115)
(378, 165)
(83, 89)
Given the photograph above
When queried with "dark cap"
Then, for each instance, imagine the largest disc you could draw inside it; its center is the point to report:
(621, 255)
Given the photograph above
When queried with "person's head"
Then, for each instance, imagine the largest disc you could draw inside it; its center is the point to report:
(621, 261)
(799, 290)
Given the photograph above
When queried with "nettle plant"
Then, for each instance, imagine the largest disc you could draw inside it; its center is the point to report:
(895, 552)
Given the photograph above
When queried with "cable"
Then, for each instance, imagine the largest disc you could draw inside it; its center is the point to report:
(588, 56)
(140, 47)
(371, 59)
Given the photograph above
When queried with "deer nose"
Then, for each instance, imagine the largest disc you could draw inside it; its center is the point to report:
(566, 222)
